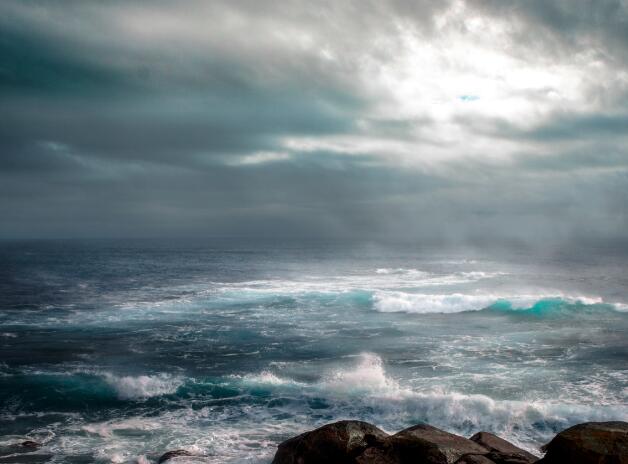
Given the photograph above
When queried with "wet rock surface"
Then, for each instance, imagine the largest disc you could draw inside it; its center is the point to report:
(502, 451)
(589, 443)
(432, 445)
(338, 443)
(363, 443)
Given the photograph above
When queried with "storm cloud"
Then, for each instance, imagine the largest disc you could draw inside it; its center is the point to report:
(384, 120)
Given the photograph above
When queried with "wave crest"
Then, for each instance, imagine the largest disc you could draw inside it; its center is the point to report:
(423, 303)
(143, 386)
(366, 386)
(368, 375)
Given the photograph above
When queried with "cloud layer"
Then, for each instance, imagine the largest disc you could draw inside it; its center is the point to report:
(384, 120)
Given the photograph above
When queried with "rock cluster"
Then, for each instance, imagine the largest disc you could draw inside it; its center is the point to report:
(355, 442)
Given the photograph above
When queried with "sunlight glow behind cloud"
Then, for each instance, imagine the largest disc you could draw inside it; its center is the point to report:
(390, 117)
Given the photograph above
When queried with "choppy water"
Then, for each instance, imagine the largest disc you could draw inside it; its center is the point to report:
(116, 351)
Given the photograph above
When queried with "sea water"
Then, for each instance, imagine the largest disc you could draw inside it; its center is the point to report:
(117, 351)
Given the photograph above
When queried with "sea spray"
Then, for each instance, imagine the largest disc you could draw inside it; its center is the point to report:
(143, 386)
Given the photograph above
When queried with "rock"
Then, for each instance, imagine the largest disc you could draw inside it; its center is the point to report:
(375, 456)
(30, 444)
(474, 459)
(509, 458)
(589, 443)
(338, 443)
(429, 445)
(502, 451)
(173, 454)
(354, 442)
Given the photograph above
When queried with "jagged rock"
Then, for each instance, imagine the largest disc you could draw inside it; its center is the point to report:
(429, 445)
(502, 451)
(173, 454)
(589, 443)
(338, 443)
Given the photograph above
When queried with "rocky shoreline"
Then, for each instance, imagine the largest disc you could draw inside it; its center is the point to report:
(355, 442)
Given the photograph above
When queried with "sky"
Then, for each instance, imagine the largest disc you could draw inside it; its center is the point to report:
(434, 121)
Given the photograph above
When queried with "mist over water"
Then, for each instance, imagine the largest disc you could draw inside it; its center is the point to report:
(117, 351)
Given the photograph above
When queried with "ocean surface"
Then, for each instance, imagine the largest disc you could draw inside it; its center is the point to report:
(117, 351)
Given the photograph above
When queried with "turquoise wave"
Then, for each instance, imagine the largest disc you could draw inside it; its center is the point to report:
(553, 308)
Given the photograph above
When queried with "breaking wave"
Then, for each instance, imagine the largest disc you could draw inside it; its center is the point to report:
(422, 303)
(366, 386)
(78, 389)
(143, 386)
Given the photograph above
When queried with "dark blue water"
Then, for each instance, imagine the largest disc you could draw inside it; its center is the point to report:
(116, 351)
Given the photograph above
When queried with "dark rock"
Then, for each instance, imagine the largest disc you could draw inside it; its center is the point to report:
(30, 444)
(173, 454)
(589, 443)
(376, 456)
(429, 445)
(474, 459)
(338, 443)
(502, 451)
(509, 458)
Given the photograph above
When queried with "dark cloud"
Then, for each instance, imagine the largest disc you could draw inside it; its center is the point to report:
(569, 126)
(564, 26)
(556, 127)
(334, 119)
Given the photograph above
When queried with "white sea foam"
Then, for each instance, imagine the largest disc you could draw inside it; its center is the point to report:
(266, 378)
(109, 428)
(366, 386)
(622, 307)
(383, 278)
(368, 376)
(143, 386)
(524, 422)
(401, 270)
(424, 303)
(363, 389)
(304, 287)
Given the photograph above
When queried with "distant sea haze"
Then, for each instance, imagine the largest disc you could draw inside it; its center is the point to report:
(119, 350)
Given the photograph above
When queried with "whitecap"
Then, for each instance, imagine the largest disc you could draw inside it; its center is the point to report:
(143, 386)
(368, 376)
(266, 378)
(425, 303)
(422, 303)
(366, 386)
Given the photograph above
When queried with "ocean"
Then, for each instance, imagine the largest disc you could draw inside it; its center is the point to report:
(119, 350)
